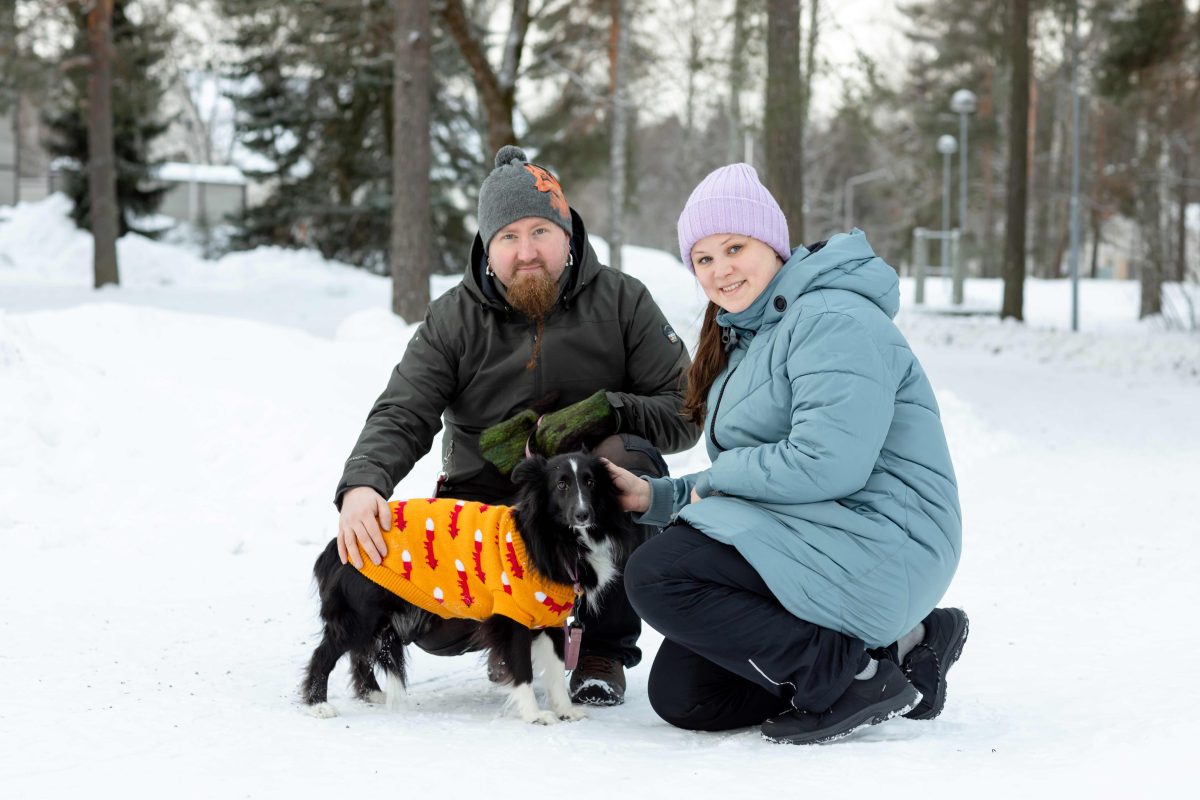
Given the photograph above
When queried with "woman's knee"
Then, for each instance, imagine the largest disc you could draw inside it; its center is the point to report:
(643, 572)
(676, 702)
(652, 572)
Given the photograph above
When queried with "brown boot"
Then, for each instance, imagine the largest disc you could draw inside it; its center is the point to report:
(598, 681)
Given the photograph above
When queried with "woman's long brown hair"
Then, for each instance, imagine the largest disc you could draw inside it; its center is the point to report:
(706, 366)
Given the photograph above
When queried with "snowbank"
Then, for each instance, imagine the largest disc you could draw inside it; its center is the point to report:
(168, 451)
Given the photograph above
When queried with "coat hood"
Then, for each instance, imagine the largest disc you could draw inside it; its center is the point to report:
(483, 288)
(845, 262)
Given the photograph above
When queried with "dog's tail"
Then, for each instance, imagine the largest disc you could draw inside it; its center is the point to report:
(327, 566)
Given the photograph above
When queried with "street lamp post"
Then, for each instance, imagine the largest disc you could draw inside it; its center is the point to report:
(1075, 168)
(946, 145)
(963, 104)
(848, 192)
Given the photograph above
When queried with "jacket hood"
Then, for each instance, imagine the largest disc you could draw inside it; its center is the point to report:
(846, 262)
(587, 265)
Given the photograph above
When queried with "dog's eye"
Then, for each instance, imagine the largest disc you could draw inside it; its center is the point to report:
(589, 483)
(562, 486)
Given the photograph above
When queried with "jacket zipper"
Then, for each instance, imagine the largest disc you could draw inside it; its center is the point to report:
(537, 368)
(712, 430)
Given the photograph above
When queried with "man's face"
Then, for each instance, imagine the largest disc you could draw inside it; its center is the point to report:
(527, 248)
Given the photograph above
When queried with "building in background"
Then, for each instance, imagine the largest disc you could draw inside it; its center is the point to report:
(24, 165)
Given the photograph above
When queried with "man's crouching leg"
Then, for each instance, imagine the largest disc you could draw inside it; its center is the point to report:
(611, 633)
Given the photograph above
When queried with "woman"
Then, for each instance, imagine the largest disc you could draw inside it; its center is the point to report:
(828, 522)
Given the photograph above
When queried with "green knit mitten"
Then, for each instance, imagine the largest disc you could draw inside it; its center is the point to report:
(503, 444)
(585, 422)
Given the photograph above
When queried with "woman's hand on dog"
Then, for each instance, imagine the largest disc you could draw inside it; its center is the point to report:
(635, 492)
(364, 514)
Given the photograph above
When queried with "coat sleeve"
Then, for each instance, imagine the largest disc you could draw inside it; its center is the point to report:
(842, 402)
(401, 425)
(656, 368)
(668, 496)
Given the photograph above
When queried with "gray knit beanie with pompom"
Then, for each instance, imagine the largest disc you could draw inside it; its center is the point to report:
(517, 189)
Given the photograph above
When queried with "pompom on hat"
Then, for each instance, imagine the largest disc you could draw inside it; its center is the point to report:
(732, 200)
(517, 189)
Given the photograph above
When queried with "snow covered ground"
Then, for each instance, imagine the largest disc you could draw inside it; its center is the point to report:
(168, 451)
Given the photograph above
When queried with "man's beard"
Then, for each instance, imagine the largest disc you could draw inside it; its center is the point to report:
(533, 293)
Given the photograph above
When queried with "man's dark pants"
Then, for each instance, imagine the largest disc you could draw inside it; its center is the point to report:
(613, 630)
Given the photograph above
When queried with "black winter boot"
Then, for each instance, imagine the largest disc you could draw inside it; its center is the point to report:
(926, 664)
(598, 681)
(869, 701)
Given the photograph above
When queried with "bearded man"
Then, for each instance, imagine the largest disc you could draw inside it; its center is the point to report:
(536, 323)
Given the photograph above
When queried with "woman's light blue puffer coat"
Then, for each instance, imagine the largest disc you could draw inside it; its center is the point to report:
(830, 471)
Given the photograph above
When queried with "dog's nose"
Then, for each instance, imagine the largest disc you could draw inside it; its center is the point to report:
(583, 517)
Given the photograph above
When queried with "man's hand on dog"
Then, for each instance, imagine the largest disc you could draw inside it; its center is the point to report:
(364, 514)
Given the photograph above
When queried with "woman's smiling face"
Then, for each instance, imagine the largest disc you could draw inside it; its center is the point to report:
(733, 269)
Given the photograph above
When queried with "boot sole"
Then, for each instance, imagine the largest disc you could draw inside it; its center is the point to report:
(952, 656)
(871, 715)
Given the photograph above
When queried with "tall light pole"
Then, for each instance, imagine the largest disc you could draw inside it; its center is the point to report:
(1075, 167)
(963, 104)
(947, 146)
(848, 192)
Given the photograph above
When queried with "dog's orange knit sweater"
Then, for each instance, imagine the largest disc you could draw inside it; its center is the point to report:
(466, 560)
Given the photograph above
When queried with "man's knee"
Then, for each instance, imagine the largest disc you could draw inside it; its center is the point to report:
(632, 453)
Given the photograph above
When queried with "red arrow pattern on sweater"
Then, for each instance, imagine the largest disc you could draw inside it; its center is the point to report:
(430, 559)
(479, 557)
(464, 590)
(513, 562)
(549, 603)
(458, 507)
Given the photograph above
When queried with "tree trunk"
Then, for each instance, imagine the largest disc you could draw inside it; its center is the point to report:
(1097, 233)
(1150, 200)
(1181, 218)
(737, 80)
(497, 89)
(102, 169)
(10, 95)
(1018, 156)
(810, 69)
(989, 261)
(783, 119)
(618, 109)
(412, 223)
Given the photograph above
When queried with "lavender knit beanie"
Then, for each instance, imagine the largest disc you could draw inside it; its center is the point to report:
(732, 200)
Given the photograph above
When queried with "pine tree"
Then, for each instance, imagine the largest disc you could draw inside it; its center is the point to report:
(315, 104)
(137, 93)
(1148, 68)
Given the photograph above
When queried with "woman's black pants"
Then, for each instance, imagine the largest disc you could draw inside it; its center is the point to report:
(733, 656)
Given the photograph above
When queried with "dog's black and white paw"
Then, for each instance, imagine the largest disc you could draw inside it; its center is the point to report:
(572, 714)
(322, 711)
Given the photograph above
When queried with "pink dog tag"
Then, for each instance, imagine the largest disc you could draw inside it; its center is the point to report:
(574, 635)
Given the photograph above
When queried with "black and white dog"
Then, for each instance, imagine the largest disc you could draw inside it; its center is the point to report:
(574, 531)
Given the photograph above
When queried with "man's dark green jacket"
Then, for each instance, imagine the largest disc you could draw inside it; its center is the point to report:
(466, 364)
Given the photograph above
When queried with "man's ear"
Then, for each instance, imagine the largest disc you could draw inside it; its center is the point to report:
(530, 470)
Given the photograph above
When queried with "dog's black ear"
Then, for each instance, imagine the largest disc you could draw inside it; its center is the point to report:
(529, 470)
